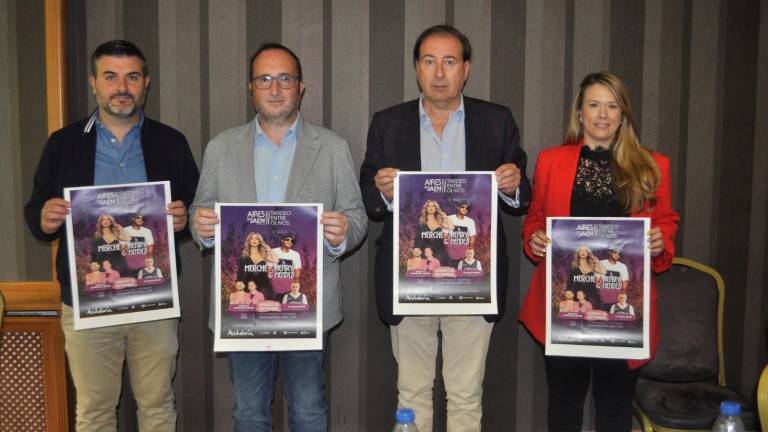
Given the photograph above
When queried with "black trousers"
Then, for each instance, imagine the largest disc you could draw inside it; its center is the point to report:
(613, 387)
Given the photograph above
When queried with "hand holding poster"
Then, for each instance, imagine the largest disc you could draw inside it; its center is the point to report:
(269, 277)
(598, 283)
(445, 241)
(122, 258)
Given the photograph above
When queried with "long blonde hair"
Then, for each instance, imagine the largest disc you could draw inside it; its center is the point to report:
(424, 217)
(263, 249)
(636, 175)
(576, 260)
(114, 227)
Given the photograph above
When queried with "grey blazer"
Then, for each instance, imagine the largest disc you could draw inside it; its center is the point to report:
(322, 171)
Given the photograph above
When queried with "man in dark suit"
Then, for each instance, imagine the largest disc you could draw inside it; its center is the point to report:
(441, 131)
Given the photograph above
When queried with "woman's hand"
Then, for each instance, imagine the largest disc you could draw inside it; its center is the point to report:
(538, 243)
(656, 241)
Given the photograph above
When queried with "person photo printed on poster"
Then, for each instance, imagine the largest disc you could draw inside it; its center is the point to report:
(598, 280)
(268, 277)
(122, 257)
(445, 232)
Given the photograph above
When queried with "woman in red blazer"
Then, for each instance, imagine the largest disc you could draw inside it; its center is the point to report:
(600, 170)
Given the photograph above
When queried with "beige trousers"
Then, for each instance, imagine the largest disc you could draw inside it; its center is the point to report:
(464, 347)
(96, 358)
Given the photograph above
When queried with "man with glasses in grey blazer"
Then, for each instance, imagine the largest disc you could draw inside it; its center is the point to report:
(280, 157)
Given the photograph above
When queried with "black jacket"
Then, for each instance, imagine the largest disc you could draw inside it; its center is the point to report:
(394, 140)
(69, 160)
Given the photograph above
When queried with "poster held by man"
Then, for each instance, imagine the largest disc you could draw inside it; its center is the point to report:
(598, 283)
(445, 237)
(268, 277)
(122, 257)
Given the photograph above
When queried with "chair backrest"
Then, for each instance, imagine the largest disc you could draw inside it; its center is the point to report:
(762, 399)
(690, 319)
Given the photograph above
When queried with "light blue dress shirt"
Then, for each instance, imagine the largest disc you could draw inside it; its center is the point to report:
(272, 162)
(119, 162)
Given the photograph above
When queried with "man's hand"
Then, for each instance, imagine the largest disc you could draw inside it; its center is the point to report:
(53, 214)
(508, 178)
(385, 182)
(334, 227)
(205, 220)
(178, 210)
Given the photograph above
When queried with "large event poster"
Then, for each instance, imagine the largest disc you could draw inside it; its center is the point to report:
(122, 258)
(444, 243)
(269, 277)
(598, 283)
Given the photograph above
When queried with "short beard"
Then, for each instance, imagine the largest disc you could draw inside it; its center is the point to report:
(127, 113)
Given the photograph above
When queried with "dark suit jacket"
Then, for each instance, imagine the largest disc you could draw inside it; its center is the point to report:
(69, 160)
(491, 138)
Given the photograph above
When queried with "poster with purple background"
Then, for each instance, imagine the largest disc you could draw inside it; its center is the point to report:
(268, 277)
(445, 241)
(122, 258)
(598, 283)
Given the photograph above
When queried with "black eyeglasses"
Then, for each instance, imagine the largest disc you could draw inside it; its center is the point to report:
(284, 81)
(288, 240)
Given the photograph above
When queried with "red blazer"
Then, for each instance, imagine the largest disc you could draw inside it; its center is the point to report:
(552, 187)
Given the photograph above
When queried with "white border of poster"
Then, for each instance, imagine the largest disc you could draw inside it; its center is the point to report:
(104, 316)
(270, 216)
(598, 333)
(446, 290)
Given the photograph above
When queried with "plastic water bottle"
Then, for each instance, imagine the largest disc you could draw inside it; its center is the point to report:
(729, 420)
(404, 418)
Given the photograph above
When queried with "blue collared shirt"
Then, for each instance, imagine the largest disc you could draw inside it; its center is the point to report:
(119, 162)
(444, 153)
(272, 162)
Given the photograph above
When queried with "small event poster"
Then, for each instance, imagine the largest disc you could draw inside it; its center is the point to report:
(269, 277)
(598, 283)
(122, 258)
(444, 243)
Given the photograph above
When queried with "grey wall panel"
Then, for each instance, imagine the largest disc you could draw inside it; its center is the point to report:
(473, 18)
(263, 25)
(227, 62)
(754, 325)
(104, 21)
(303, 33)
(386, 84)
(350, 36)
(180, 107)
(542, 127)
(503, 387)
(591, 40)
(418, 16)
(626, 58)
(652, 54)
(33, 122)
(704, 131)
(736, 155)
(139, 15)
(12, 257)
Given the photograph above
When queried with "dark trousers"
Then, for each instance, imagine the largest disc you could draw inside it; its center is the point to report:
(613, 387)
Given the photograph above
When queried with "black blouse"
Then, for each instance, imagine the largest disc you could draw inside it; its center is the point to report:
(594, 194)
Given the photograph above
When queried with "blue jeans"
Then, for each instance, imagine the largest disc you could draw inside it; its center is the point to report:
(253, 375)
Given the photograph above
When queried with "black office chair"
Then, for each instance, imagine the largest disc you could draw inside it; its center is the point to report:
(681, 389)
